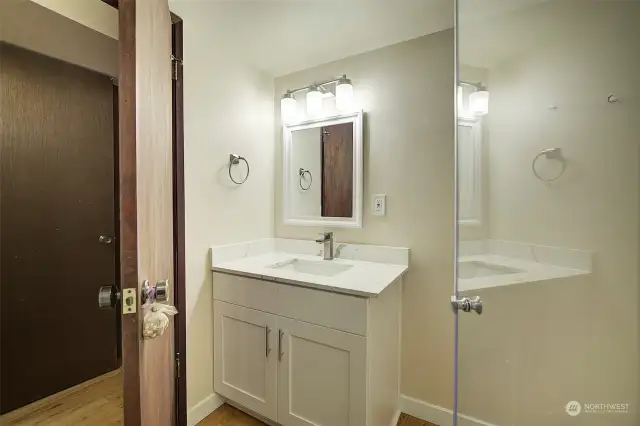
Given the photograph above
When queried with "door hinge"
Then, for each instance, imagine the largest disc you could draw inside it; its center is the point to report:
(175, 63)
(178, 364)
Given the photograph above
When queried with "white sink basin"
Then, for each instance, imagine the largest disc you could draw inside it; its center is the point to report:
(477, 269)
(326, 268)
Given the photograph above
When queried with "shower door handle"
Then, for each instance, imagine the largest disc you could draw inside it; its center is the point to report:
(466, 304)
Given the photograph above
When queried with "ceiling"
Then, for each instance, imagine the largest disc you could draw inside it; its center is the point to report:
(59, 34)
(283, 36)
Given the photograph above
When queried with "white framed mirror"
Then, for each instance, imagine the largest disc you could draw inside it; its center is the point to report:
(323, 160)
(469, 171)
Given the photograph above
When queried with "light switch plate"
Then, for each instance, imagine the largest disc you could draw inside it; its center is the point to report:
(379, 207)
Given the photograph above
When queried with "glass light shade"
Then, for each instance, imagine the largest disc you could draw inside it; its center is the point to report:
(288, 108)
(344, 95)
(314, 102)
(479, 102)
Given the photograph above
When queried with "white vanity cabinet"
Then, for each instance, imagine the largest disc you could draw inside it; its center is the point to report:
(322, 376)
(301, 356)
(245, 361)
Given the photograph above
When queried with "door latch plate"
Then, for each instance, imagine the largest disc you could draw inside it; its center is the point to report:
(129, 302)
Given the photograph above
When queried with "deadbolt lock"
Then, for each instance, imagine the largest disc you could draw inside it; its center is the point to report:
(109, 296)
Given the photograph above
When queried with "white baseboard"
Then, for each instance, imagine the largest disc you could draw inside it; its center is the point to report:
(202, 409)
(252, 413)
(436, 414)
(423, 410)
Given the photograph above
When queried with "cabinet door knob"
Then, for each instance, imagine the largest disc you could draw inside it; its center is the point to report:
(280, 352)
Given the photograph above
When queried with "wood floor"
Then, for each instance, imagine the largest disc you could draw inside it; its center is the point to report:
(99, 402)
(407, 420)
(95, 402)
(230, 416)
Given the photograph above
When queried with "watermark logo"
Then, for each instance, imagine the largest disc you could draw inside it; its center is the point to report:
(573, 408)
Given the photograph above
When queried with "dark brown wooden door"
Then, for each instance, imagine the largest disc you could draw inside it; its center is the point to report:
(57, 198)
(337, 170)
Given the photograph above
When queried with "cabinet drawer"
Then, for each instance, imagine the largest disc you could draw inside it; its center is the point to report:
(248, 292)
(333, 310)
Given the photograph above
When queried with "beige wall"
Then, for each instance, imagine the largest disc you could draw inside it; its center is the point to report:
(539, 346)
(81, 32)
(228, 109)
(406, 91)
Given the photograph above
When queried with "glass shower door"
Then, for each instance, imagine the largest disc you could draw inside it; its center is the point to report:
(548, 181)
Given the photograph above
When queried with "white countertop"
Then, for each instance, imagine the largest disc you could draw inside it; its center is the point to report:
(364, 278)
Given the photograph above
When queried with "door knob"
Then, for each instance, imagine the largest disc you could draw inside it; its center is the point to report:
(466, 305)
(155, 293)
(108, 297)
(105, 239)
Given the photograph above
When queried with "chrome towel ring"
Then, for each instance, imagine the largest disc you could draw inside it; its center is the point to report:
(235, 159)
(550, 154)
(302, 172)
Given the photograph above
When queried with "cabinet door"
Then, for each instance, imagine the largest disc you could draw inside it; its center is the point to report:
(245, 357)
(321, 377)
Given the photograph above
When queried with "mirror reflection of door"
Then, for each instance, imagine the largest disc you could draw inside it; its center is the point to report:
(322, 163)
(337, 170)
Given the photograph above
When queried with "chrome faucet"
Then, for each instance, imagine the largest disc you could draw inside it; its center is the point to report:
(327, 240)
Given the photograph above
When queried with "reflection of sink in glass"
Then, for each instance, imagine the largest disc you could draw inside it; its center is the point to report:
(477, 269)
(326, 268)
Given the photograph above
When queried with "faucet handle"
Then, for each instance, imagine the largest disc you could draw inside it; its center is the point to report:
(326, 236)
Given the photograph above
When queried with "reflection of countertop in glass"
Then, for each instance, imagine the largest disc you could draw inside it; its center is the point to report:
(529, 272)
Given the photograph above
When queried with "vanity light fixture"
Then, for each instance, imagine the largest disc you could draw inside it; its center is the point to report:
(478, 100)
(344, 94)
(316, 92)
(314, 101)
(288, 107)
